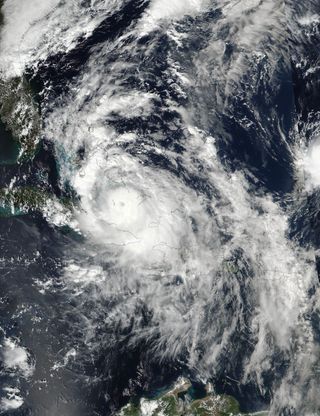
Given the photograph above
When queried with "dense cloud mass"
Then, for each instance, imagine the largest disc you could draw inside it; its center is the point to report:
(182, 239)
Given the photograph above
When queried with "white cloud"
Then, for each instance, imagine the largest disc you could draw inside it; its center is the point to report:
(16, 358)
(12, 400)
(34, 29)
(151, 238)
(309, 165)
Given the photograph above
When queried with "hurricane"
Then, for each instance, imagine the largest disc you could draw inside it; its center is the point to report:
(160, 204)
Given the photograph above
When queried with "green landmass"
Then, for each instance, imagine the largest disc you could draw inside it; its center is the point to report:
(20, 121)
(21, 200)
(20, 115)
(178, 402)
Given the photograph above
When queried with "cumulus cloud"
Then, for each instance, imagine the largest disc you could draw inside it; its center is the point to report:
(167, 227)
(181, 251)
(35, 29)
(16, 358)
(308, 163)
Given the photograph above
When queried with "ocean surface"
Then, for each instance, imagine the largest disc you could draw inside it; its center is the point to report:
(160, 193)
